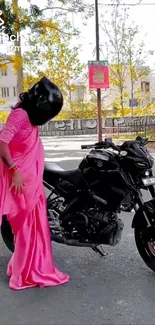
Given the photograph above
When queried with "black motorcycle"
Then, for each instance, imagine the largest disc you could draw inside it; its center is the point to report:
(84, 203)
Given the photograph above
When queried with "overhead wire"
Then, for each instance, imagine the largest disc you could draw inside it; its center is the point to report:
(140, 3)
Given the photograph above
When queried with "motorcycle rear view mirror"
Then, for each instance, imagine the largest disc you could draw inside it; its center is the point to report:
(142, 140)
(109, 140)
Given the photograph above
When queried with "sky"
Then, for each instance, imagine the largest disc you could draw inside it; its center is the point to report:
(143, 15)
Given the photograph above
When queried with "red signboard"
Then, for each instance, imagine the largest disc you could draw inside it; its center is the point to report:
(98, 76)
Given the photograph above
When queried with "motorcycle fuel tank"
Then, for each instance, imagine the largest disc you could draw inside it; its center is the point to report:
(102, 159)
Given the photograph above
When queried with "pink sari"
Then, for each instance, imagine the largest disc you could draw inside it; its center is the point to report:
(32, 262)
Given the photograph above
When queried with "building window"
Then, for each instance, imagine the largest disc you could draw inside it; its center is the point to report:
(5, 91)
(4, 73)
(133, 103)
(80, 93)
(145, 87)
(14, 91)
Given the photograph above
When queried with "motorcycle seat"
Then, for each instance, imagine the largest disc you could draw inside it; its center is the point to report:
(51, 167)
(52, 171)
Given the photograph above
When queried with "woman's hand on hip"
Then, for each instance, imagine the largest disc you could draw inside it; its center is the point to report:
(17, 183)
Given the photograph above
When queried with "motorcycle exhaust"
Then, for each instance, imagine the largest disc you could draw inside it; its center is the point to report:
(70, 242)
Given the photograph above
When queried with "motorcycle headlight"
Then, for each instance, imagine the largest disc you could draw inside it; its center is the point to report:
(123, 153)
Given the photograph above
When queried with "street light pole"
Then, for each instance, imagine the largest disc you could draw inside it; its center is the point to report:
(99, 111)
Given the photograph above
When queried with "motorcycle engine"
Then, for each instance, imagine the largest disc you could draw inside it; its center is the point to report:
(96, 226)
(109, 227)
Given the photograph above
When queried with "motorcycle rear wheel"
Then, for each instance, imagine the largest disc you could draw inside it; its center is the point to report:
(146, 245)
(7, 234)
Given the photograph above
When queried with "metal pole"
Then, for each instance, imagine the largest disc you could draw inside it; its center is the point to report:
(99, 111)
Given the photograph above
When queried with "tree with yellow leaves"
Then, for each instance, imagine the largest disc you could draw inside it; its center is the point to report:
(114, 29)
(124, 54)
(17, 19)
(135, 56)
(51, 54)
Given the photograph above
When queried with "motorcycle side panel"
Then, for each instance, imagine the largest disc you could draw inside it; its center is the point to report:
(109, 185)
(65, 188)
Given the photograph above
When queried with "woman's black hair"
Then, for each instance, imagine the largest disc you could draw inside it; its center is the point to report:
(23, 96)
(22, 102)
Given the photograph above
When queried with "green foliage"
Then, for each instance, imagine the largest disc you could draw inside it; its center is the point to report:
(29, 17)
(54, 57)
(88, 110)
(3, 116)
(8, 16)
(53, 35)
(78, 110)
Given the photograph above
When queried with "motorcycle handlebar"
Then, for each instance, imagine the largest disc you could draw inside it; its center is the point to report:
(109, 144)
(87, 146)
(101, 145)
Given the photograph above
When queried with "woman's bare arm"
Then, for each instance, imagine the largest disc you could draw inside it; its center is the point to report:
(5, 154)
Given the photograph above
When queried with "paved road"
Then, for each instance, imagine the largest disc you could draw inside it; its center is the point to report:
(117, 289)
(67, 149)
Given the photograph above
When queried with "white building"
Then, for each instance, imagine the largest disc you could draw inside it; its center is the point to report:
(8, 88)
(146, 86)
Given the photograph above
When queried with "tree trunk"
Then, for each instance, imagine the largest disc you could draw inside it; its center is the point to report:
(121, 101)
(20, 76)
(132, 96)
(18, 53)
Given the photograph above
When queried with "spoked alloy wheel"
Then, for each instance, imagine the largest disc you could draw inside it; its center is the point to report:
(145, 241)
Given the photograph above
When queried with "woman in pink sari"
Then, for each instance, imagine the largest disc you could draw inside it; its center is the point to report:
(22, 196)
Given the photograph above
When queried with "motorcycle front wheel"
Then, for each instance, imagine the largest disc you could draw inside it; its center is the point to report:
(145, 242)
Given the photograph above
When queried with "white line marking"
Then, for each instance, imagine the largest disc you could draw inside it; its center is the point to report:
(62, 159)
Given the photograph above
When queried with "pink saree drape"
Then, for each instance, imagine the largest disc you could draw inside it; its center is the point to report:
(32, 262)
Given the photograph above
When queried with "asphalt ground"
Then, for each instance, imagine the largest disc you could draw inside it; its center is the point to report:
(115, 289)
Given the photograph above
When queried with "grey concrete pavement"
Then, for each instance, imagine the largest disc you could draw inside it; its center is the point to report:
(116, 289)
(68, 148)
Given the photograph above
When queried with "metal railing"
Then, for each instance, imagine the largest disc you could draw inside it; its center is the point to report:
(147, 130)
